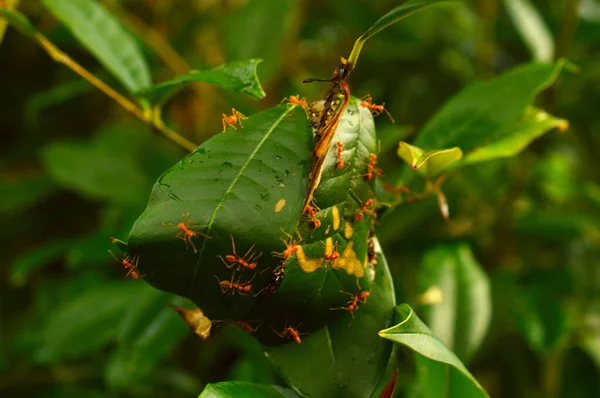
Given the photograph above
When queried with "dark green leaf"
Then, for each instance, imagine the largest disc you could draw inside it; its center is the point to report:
(257, 30)
(32, 260)
(103, 35)
(18, 20)
(99, 169)
(395, 15)
(346, 358)
(248, 184)
(243, 389)
(456, 293)
(484, 112)
(533, 124)
(86, 323)
(532, 28)
(443, 374)
(23, 193)
(149, 331)
(54, 96)
(237, 76)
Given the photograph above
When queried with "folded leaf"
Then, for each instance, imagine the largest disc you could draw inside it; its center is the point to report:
(430, 163)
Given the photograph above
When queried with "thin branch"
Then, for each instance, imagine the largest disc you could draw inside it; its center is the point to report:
(148, 117)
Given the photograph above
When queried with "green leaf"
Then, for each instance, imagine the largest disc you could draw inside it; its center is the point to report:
(483, 112)
(18, 20)
(88, 322)
(395, 15)
(244, 389)
(533, 124)
(23, 193)
(430, 163)
(440, 371)
(102, 34)
(237, 76)
(35, 258)
(530, 25)
(257, 30)
(247, 184)
(149, 331)
(54, 96)
(345, 358)
(77, 165)
(456, 297)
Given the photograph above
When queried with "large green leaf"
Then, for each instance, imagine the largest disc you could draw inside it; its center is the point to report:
(87, 322)
(103, 36)
(441, 373)
(533, 124)
(395, 15)
(247, 184)
(346, 358)
(237, 76)
(229, 389)
(148, 332)
(530, 25)
(457, 298)
(484, 112)
(312, 283)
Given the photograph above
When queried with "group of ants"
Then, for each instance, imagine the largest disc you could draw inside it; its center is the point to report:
(249, 260)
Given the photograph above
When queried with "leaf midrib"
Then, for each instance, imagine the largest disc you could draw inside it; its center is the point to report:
(230, 189)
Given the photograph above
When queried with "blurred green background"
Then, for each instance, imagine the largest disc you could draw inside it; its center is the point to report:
(76, 169)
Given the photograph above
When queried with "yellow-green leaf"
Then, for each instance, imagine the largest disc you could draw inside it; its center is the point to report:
(430, 163)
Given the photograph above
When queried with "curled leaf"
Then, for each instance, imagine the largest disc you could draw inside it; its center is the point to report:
(429, 163)
(196, 320)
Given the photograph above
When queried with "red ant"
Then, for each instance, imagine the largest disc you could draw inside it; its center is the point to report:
(371, 168)
(241, 288)
(291, 247)
(296, 100)
(352, 305)
(129, 263)
(367, 102)
(185, 233)
(289, 333)
(236, 116)
(332, 255)
(340, 160)
(243, 262)
(360, 213)
(313, 216)
(246, 327)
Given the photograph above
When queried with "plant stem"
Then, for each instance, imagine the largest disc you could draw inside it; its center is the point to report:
(567, 31)
(145, 116)
(59, 56)
(485, 40)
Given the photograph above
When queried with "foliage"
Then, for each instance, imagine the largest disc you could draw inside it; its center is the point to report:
(312, 244)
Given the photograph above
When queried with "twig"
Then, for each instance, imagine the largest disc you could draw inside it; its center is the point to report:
(148, 117)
